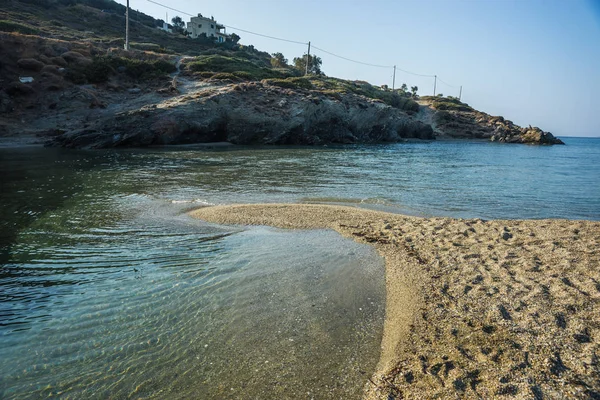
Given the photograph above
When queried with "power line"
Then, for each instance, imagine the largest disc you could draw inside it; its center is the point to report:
(354, 61)
(228, 26)
(372, 65)
(304, 43)
(415, 74)
(171, 8)
(267, 36)
(452, 86)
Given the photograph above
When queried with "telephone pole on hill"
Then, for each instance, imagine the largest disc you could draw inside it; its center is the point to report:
(127, 27)
(460, 93)
(394, 80)
(434, 83)
(307, 59)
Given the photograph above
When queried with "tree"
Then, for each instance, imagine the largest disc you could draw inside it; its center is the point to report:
(278, 60)
(314, 64)
(235, 38)
(178, 24)
(414, 90)
(404, 88)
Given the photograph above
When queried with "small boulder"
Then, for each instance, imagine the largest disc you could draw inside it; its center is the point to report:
(72, 56)
(506, 235)
(45, 59)
(19, 89)
(50, 69)
(59, 61)
(30, 64)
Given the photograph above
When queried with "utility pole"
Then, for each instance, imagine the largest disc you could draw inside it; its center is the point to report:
(394, 80)
(460, 93)
(127, 27)
(434, 83)
(307, 59)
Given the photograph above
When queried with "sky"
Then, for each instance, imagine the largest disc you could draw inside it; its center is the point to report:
(535, 62)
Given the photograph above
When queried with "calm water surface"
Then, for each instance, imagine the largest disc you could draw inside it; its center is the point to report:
(107, 287)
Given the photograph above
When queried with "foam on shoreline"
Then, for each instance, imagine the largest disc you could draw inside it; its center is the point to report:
(474, 308)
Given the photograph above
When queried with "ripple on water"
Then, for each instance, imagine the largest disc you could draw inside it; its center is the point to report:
(182, 309)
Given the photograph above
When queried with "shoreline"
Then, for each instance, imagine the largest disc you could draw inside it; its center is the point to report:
(474, 308)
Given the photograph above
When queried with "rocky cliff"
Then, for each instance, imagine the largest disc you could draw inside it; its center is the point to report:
(454, 119)
(87, 96)
(251, 113)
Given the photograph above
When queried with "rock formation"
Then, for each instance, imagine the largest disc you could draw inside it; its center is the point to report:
(251, 113)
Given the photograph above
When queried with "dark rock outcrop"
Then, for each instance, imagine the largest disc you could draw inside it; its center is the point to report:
(251, 113)
(478, 125)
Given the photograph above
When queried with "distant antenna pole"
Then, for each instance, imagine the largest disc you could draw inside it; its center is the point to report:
(307, 59)
(434, 83)
(394, 80)
(460, 93)
(127, 27)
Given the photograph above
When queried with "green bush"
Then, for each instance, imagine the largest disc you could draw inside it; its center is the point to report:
(451, 105)
(98, 71)
(11, 26)
(243, 75)
(219, 63)
(224, 76)
(142, 70)
(102, 68)
(148, 47)
(291, 83)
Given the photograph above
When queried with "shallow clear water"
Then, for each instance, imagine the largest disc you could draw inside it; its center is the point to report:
(124, 295)
(106, 286)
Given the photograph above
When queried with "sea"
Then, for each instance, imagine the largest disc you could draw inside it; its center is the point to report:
(108, 289)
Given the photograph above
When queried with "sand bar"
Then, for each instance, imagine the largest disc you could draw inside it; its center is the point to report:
(474, 309)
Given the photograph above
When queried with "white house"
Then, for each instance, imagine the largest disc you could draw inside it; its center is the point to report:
(199, 25)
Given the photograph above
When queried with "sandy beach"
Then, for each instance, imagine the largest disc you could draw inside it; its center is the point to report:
(474, 309)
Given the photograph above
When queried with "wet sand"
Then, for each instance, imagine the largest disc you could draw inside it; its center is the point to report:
(474, 309)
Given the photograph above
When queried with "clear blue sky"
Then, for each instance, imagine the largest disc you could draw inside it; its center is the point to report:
(533, 61)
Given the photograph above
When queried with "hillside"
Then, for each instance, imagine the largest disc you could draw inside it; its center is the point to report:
(79, 80)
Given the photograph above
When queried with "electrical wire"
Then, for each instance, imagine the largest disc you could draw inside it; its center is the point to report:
(412, 73)
(230, 27)
(266, 36)
(315, 47)
(452, 86)
(171, 8)
(354, 61)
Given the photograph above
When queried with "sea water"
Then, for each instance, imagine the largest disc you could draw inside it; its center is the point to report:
(108, 288)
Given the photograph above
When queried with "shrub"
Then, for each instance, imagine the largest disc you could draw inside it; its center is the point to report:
(243, 75)
(100, 69)
(142, 70)
(225, 75)
(30, 64)
(11, 26)
(146, 46)
(290, 83)
(451, 105)
(220, 63)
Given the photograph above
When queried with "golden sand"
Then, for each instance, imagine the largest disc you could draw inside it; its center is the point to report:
(475, 309)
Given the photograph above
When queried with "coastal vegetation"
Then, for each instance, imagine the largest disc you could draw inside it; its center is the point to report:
(62, 44)
(447, 103)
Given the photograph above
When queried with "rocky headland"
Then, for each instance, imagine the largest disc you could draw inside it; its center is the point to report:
(81, 94)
